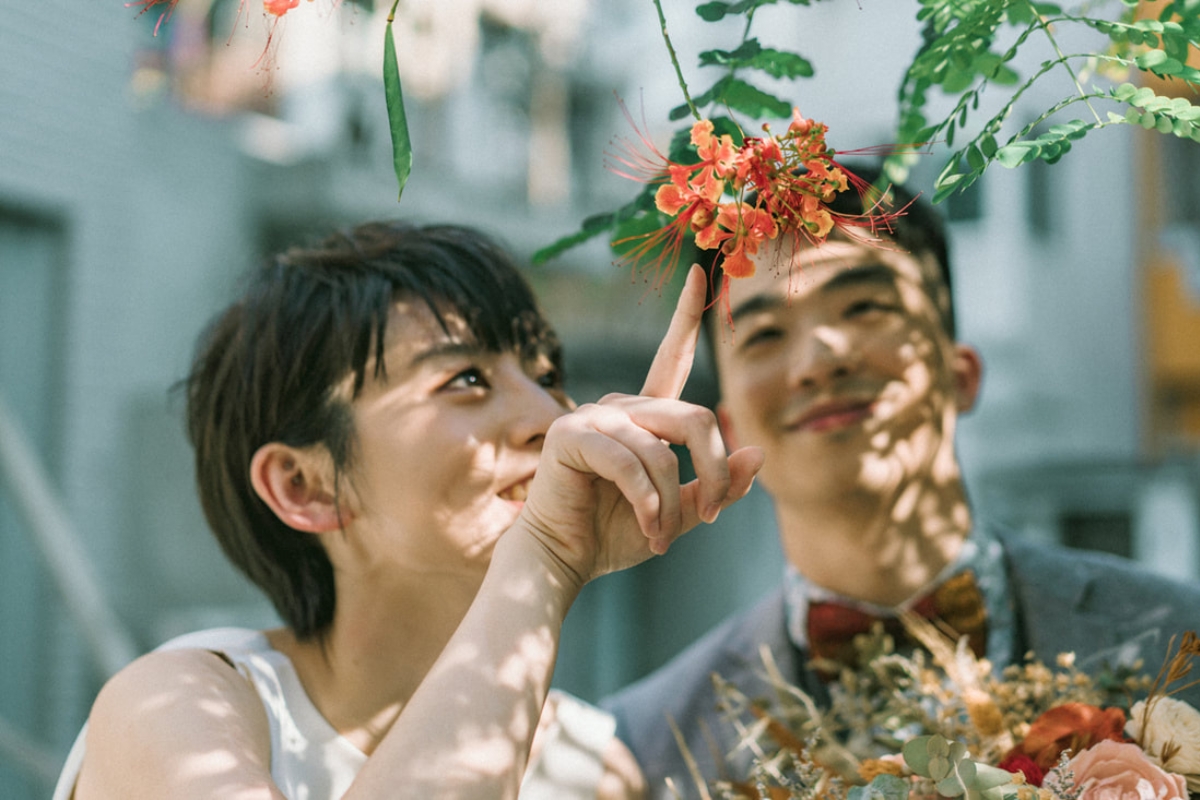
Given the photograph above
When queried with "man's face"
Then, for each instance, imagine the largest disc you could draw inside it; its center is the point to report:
(839, 368)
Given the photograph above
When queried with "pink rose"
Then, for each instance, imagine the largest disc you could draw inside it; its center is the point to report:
(1112, 770)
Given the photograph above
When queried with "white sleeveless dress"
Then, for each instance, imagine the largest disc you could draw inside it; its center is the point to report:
(312, 761)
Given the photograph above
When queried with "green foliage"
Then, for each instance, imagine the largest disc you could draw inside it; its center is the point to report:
(968, 50)
(883, 787)
(954, 775)
(958, 57)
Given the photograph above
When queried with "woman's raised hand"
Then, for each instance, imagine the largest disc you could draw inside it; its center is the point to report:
(607, 493)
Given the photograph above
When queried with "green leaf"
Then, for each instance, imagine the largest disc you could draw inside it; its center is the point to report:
(782, 64)
(751, 55)
(1015, 154)
(746, 51)
(957, 80)
(592, 226)
(1159, 62)
(976, 159)
(741, 96)
(1191, 113)
(1141, 97)
(1124, 92)
(1019, 13)
(402, 155)
(712, 12)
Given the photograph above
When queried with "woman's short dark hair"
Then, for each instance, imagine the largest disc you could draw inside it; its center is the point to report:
(267, 370)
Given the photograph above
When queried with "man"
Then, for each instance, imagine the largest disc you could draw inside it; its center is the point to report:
(844, 367)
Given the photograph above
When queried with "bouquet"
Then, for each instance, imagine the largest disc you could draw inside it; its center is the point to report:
(938, 723)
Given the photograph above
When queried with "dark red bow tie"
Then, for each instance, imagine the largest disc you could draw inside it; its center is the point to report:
(957, 603)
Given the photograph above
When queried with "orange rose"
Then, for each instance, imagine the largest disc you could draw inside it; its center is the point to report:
(1071, 726)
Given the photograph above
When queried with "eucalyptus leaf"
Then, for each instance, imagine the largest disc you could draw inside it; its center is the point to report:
(882, 787)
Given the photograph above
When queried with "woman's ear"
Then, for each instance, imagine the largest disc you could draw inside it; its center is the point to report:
(297, 485)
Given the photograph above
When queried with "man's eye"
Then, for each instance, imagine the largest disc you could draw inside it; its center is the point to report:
(762, 335)
(469, 378)
(868, 305)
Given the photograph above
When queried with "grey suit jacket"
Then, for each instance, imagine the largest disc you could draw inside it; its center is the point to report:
(1102, 608)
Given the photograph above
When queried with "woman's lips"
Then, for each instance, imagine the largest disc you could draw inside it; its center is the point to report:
(517, 493)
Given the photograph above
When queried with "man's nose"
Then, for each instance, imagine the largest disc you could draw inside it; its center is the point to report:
(823, 354)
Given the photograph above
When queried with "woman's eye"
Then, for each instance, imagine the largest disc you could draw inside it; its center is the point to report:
(468, 379)
(550, 379)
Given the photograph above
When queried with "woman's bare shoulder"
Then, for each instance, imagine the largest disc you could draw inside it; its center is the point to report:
(177, 723)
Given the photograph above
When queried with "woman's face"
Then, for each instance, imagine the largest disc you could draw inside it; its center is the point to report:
(447, 444)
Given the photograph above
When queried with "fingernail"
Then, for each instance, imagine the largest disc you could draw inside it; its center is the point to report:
(710, 513)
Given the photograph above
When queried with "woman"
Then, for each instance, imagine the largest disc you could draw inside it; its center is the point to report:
(368, 420)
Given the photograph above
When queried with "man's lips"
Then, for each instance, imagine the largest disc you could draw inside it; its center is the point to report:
(833, 415)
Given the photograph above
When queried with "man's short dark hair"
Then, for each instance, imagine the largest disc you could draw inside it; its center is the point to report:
(919, 231)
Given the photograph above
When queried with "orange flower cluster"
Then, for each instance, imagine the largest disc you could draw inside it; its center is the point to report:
(735, 198)
(791, 178)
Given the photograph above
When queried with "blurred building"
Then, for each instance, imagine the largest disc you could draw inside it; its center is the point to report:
(140, 175)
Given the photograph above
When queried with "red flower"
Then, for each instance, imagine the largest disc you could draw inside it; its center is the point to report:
(279, 7)
(1019, 762)
(776, 185)
(748, 228)
(1071, 726)
(149, 4)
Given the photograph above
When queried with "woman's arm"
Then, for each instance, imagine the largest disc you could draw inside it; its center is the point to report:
(606, 496)
(179, 724)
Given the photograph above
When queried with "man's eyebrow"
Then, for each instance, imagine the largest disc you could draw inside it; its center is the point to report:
(843, 278)
(862, 273)
(755, 304)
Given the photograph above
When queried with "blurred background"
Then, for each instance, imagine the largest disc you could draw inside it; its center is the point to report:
(141, 175)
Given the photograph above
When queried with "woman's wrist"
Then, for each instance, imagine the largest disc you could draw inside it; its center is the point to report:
(521, 551)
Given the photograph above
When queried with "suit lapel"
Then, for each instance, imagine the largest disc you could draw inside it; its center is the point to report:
(1061, 607)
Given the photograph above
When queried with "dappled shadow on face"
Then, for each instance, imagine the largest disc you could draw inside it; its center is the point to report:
(911, 458)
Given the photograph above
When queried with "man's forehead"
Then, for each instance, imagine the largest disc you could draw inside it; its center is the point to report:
(788, 275)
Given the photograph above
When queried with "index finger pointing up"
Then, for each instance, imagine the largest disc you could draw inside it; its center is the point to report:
(673, 362)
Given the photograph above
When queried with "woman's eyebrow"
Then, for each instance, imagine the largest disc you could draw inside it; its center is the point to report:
(445, 348)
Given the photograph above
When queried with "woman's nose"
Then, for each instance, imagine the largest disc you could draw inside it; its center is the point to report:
(534, 408)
